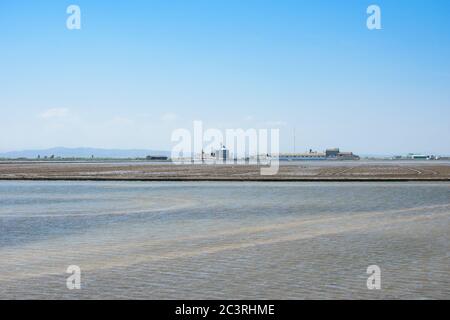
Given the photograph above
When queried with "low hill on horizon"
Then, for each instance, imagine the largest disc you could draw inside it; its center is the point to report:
(83, 153)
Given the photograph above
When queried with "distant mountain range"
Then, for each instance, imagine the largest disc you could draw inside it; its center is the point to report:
(84, 153)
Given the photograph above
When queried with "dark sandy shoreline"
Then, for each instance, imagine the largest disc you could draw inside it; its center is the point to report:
(169, 172)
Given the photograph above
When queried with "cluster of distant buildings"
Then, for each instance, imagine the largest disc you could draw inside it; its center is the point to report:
(413, 156)
(223, 154)
(329, 154)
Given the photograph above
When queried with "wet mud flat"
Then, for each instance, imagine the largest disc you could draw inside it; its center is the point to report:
(336, 171)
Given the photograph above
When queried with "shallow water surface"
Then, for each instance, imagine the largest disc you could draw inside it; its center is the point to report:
(174, 240)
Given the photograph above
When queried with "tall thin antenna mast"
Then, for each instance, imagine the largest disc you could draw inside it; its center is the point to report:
(294, 140)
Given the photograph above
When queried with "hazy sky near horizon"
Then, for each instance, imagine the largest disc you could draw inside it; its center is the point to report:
(137, 70)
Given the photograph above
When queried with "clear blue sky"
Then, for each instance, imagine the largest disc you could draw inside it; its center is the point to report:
(139, 69)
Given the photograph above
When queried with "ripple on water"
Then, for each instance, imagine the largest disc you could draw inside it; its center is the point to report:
(241, 241)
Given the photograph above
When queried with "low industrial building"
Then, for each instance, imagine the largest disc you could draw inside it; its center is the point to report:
(329, 154)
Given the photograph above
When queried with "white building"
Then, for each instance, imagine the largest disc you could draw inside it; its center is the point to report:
(222, 154)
